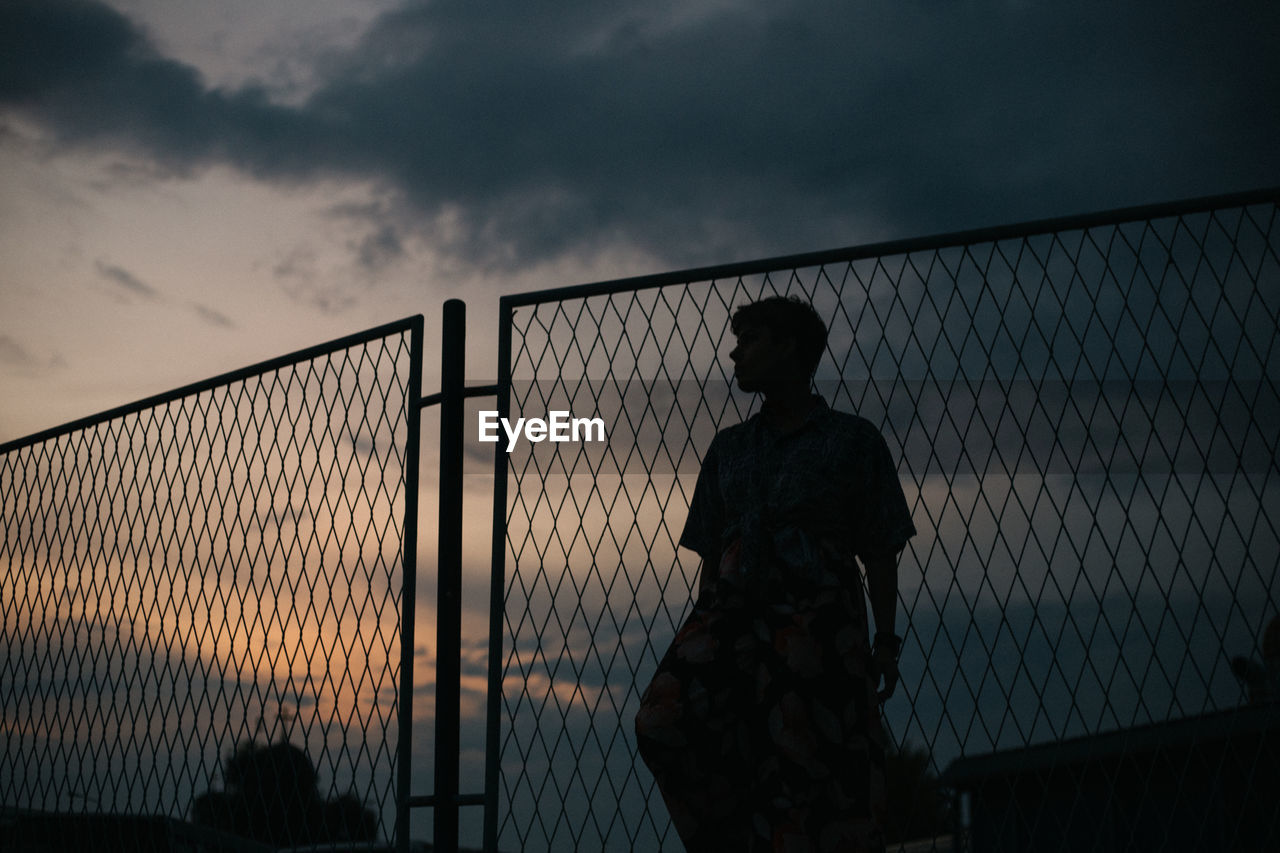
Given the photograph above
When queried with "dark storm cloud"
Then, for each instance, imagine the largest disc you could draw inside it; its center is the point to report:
(706, 134)
(93, 77)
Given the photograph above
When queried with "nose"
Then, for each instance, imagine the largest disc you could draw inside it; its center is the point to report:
(733, 354)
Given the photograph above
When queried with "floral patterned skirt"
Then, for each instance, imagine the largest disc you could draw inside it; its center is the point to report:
(761, 724)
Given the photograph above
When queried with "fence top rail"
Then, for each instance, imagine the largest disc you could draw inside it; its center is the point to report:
(1168, 735)
(346, 342)
(1202, 204)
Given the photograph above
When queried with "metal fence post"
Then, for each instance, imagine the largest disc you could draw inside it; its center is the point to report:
(497, 594)
(409, 588)
(449, 577)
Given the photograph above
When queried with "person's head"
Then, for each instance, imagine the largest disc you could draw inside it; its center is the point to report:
(788, 327)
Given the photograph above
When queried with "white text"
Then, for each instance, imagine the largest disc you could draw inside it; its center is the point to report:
(558, 426)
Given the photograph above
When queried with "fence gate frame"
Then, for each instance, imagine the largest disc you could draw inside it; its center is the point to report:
(411, 330)
(453, 395)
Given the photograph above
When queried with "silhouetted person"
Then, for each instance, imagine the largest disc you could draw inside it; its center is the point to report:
(761, 725)
(271, 796)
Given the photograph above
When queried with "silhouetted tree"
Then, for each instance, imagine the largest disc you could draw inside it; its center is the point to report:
(271, 796)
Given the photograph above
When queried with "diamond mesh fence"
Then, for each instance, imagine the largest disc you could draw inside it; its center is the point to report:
(201, 602)
(1084, 423)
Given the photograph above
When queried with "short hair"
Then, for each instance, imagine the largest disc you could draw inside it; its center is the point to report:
(786, 317)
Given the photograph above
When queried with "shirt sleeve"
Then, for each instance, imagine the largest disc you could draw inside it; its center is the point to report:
(704, 528)
(883, 523)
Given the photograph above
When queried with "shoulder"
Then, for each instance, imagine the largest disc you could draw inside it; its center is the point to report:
(733, 437)
(854, 444)
(851, 427)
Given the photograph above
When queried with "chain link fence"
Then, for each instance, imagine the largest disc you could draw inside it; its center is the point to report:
(1083, 414)
(201, 603)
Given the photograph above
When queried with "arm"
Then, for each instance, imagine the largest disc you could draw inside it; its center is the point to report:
(705, 523)
(884, 530)
(707, 577)
(882, 589)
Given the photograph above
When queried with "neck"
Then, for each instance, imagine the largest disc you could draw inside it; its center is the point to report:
(788, 405)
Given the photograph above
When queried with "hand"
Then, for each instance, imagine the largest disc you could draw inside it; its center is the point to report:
(884, 665)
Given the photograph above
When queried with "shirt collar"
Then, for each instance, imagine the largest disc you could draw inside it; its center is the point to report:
(819, 411)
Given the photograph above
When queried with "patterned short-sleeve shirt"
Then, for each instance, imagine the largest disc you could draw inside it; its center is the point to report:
(831, 477)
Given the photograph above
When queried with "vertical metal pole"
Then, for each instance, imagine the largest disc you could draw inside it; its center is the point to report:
(449, 578)
(409, 586)
(497, 591)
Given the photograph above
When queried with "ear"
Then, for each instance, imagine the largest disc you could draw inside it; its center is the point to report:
(788, 348)
(784, 345)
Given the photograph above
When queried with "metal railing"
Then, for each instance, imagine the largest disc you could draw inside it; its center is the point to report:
(1083, 412)
(202, 598)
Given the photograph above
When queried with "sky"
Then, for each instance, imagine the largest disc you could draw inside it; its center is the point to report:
(189, 188)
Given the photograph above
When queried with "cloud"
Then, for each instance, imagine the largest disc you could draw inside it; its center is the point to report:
(700, 132)
(14, 356)
(129, 283)
(313, 281)
(298, 265)
(379, 248)
(212, 316)
(126, 280)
